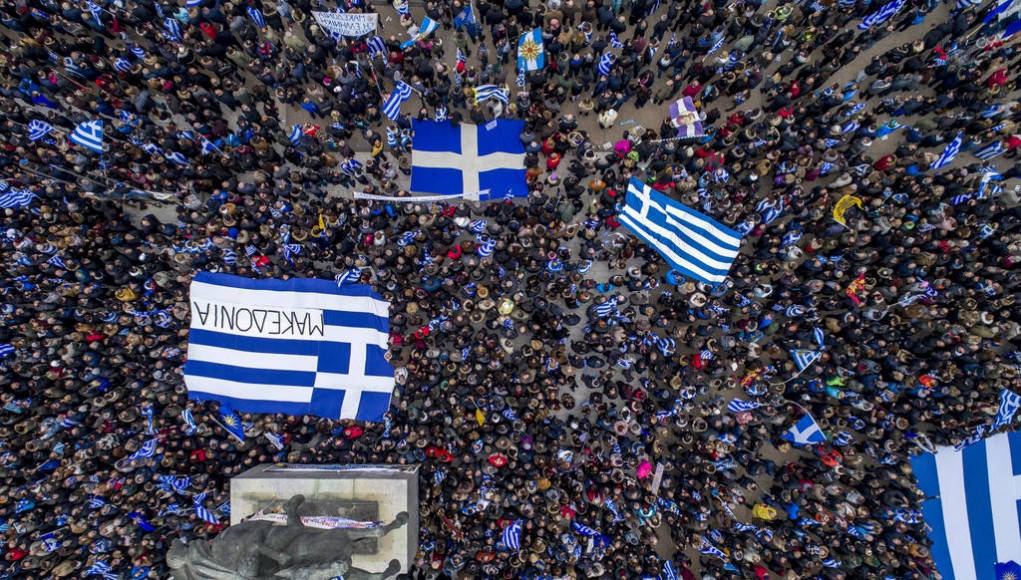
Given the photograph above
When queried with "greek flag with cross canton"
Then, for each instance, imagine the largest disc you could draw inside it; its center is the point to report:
(452, 160)
(301, 346)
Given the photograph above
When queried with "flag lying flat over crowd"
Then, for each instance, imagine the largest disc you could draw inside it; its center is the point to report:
(685, 117)
(693, 244)
(452, 160)
(973, 507)
(301, 346)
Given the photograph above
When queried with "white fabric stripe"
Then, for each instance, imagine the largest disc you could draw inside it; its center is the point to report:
(722, 237)
(469, 165)
(356, 336)
(672, 237)
(248, 391)
(356, 380)
(1003, 495)
(664, 249)
(345, 382)
(470, 154)
(252, 360)
(287, 300)
(950, 473)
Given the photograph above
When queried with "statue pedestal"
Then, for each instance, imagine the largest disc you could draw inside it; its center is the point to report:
(355, 492)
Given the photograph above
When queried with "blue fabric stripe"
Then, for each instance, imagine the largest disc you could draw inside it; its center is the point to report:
(502, 182)
(924, 467)
(264, 407)
(327, 402)
(505, 137)
(692, 251)
(254, 344)
(372, 406)
(932, 513)
(336, 358)
(435, 136)
(355, 320)
(441, 180)
(246, 375)
(980, 511)
(313, 285)
(1014, 437)
(375, 362)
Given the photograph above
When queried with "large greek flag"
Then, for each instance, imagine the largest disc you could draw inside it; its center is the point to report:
(972, 508)
(301, 346)
(695, 245)
(452, 160)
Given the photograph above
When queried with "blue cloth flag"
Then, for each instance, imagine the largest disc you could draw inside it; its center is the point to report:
(256, 15)
(392, 106)
(12, 198)
(466, 16)
(882, 15)
(695, 245)
(972, 507)
(1008, 570)
(300, 346)
(38, 129)
(949, 152)
(89, 135)
(1009, 404)
(428, 27)
(531, 52)
(805, 432)
(486, 92)
(803, 358)
(512, 536)
(740, 406)
(451, 160)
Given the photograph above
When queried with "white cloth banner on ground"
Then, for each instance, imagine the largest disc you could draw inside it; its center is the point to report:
(347, 24)
(473, 196)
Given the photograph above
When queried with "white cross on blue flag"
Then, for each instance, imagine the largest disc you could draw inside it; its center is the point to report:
(805, 432)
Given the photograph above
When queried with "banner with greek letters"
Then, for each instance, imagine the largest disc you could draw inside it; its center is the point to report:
(340, 24)
(300, 346)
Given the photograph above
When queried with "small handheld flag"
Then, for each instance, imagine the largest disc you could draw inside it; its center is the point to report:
(89, 135)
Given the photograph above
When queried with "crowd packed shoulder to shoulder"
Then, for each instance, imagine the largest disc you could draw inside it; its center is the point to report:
(586, 361)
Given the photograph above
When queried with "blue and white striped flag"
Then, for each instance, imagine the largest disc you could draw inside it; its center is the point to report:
(137, 51)
(740, 406)
(352, 276)
(12, 198)
(176, 158)
(512, 536)
(820, 338)
(229, 257)
(990, 151)
(96, 502)
(392, 106)
(256, 15)
(350, 166)
(148, 449)
(103, 569)
(971, 506)
(377, 47)
(584, 530)
(484, 245)
(615, 41)
(1009, 404)
(605, 63)
(486, 92)
(194, 3)
(949, 153)
(189, 420)
(711, 550)
(173, 28)
(668, 571)
(478, 226)
(520, 81)
(695, 245)
(318, 351)
(122, 64)
(803, 357)
(38, 129)
(882, 15)
(716, 46)
(207, 146)
(201, 510)
(606, 308)
(295, 135)
(89, 135)
(276, 440)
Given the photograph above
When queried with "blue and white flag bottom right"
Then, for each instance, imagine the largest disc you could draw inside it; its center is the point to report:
(972, 508)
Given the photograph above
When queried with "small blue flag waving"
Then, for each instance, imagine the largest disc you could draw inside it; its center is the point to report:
(256, 15)
(531, 52)
(803, 358)
(805, 432)
(512, 536)
(1009, 404)
(740, 405)
(695, 245)
(89, 135)
(38, 129)
(392, 105)
(949, 153)
(232, 423)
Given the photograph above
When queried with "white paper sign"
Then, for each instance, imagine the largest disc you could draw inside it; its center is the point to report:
(339, 24)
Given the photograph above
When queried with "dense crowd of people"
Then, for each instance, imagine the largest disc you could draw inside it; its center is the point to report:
(548, 360)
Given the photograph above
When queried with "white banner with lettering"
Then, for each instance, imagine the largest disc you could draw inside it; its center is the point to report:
(340, 24)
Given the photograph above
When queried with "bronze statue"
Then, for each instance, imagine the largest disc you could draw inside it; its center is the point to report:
(260, 550)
